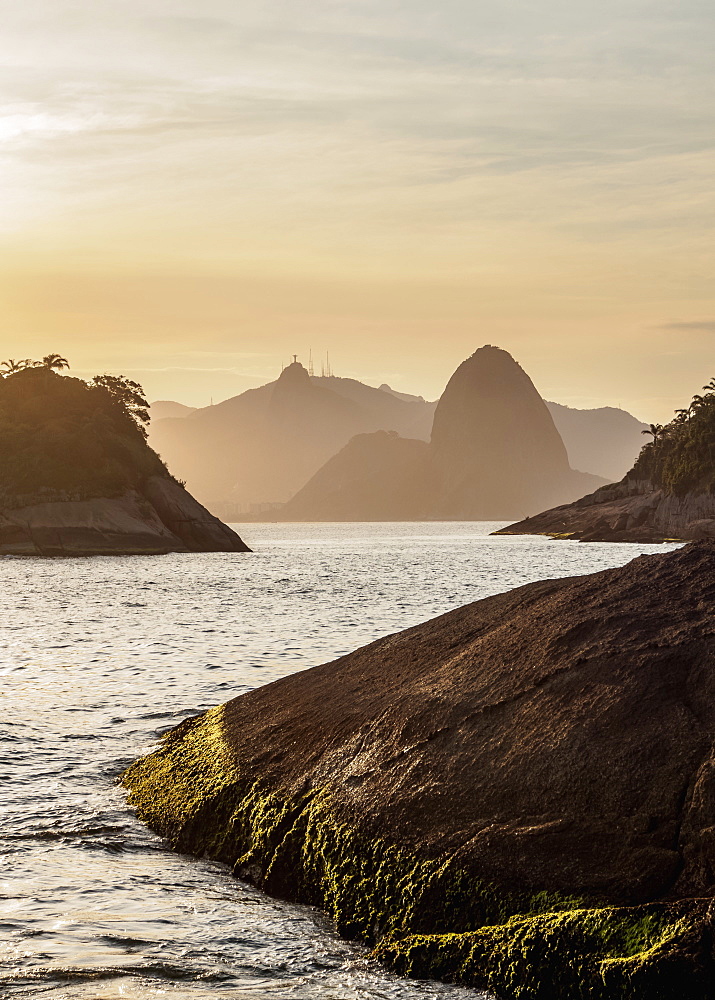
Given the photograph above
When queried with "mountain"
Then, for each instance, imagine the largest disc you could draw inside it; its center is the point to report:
(604, 441)
(407, 396)
(494, 449)
(410, 416)
(375, 477)
(494, 445)
(162, 408)
(258, 449)
(518, 795)
(262, 446)
(78, 477)
(668, 494)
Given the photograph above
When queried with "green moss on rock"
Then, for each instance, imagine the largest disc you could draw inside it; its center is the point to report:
(594, 954)
(427, 916)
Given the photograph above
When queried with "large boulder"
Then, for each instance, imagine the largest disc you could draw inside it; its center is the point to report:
(518, 794)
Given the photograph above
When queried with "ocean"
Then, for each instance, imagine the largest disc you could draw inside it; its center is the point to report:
(99, 656)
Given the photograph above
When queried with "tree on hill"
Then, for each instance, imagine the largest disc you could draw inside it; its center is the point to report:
(64, 435)
(50, 361)
(12, 366)
(128, 394)
(656, 432)
(53, 361)
(681, 456)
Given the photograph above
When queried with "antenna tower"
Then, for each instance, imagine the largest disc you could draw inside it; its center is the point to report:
(310, 363)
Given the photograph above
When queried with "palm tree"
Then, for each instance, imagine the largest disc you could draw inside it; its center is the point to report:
(53, 361)
(656, 431)
(710, 387)
(11, 365)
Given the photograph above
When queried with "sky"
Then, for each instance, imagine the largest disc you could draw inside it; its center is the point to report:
(192, 192)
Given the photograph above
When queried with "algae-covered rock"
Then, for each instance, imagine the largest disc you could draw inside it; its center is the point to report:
(517, 794)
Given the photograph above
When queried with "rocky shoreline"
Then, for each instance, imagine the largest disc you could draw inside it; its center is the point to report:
(629, 511)
(518, 794)
(163, 517)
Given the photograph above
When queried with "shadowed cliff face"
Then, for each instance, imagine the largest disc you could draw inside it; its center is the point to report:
(494, 442)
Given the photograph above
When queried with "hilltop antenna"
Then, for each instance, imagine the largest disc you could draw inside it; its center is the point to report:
(310, 363)
(328, 369)
(322, 369)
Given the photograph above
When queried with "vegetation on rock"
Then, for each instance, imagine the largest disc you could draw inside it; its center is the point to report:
(66, 438)
(681, 457)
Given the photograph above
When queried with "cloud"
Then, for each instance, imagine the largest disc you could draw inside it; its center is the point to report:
(690, 326)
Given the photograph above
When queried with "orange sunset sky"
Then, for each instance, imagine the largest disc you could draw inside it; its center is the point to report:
(193, 192)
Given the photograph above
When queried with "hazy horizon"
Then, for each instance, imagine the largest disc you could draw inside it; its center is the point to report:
(192, 194)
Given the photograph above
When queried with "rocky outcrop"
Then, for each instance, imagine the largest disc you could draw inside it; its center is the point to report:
(516, 795)
(162, 518)
(629, 511)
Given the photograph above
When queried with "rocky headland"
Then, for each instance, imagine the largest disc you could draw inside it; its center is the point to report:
(519, 794)
(669, 494)
(78, 477)
(630, 511)
(157, 518)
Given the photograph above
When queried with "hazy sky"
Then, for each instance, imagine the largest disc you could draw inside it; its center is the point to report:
(193, 191)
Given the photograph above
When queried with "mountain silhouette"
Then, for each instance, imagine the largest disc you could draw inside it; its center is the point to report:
(260, 448)
(605, 440)
(265, 444)
(494, 449)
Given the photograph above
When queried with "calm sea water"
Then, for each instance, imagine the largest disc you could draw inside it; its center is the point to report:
(99, 656)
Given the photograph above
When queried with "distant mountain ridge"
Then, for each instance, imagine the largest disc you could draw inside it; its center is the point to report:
(265, 444)
(494, 448)
(605, 440)
(222, 457)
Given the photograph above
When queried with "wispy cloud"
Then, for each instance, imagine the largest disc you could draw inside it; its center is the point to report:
(526, 163)
(690, 326)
